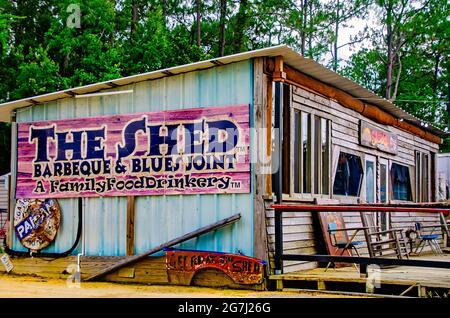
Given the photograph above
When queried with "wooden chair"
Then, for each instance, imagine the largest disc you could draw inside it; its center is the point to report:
(383, 243)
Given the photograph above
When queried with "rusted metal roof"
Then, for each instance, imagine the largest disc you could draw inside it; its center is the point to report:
(290, 57)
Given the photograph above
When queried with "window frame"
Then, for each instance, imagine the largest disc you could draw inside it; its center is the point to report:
(313, 150)
(391, 185)
(385, 162)
(422, 186)
(344, 198)
(374, 160)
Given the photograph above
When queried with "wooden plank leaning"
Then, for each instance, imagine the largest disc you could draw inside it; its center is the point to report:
(178, 240)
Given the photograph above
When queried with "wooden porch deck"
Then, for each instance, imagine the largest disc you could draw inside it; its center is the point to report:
(400, 280)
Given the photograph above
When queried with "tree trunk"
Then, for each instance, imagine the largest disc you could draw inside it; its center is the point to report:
(397, 80)
(437, 60)
(241, 22)
(223, 12)
(199, 17)
(134, 16)
(336, 34)
(303, 31)
(164, 11)
(310, 33)
(390, 50)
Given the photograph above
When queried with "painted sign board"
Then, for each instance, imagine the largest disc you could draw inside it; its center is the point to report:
(183, 264)
(374, 137)
(36, 222)
(189, 151)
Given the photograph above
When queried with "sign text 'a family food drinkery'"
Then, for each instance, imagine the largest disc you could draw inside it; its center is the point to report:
(189, 151)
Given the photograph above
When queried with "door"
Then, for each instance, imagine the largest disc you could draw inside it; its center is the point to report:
(383, 217)
(370, 185)
(370, 179)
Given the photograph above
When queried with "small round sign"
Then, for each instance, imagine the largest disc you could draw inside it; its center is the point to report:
(36, 222)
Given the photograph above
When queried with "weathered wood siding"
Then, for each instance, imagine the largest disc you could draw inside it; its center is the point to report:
(300, 236)
(345, 127)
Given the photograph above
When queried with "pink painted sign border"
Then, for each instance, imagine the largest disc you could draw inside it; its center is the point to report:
(227, 180)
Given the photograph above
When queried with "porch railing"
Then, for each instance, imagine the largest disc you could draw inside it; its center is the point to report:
(363, 261)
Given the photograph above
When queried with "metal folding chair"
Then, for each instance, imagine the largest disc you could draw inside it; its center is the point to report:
(343, 243)
(430, 238)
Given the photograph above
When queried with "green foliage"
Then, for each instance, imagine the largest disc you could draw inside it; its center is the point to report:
(40, 53)
(421, 47)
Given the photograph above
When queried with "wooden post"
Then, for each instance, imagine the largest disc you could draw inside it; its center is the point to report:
(278, 242)
(279, 74)
(260, 249)
(130, 225)
(279, 285)
(321, 285)
(277, 159)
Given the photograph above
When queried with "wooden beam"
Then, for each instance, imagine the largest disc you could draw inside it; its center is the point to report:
(373, 112)
(279, 74)
(130, 225)
(260, 118)
(8, 214)
(268, 83)
(178, 240)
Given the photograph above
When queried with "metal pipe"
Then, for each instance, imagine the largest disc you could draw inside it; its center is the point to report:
(277, 179)
(278, 243)
(81, 207)
(359, 208)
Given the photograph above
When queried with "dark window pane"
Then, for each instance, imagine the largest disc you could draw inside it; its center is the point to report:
(383, 221)
(370, 181)
(425, 179)
(325, 157)
(348, 175)
(401, 184)
(418, 177)
(383, 184)
(317, 153)
(296, 152)
(306, 162)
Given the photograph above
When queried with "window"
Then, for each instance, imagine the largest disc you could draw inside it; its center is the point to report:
(306, 153)
(422, 170)
(418, 178)
(370, 180)
(383, 181)
(311, 146)
(323, 155)
(401, 183)
(383, 217)
(349, 172)
(425, 178)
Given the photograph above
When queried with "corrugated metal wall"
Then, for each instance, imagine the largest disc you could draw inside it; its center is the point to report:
(158, 218)
(4, 192)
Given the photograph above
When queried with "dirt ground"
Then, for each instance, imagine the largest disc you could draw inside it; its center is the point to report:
(26, 286)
